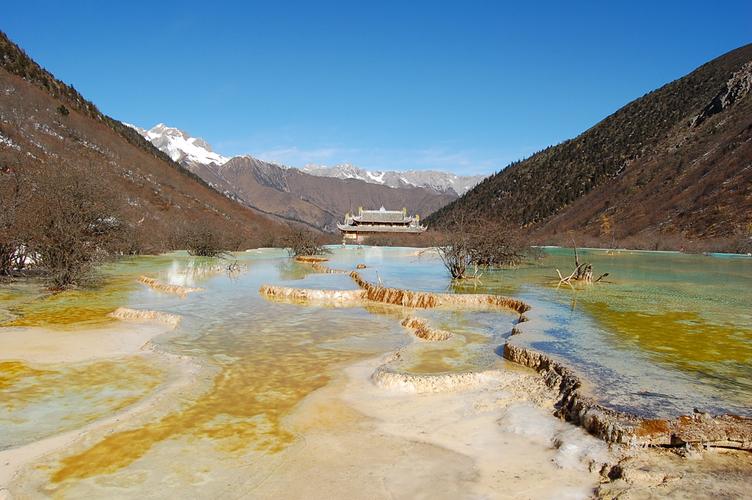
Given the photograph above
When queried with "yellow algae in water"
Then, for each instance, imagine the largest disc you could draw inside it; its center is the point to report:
(32, 305)
(681, 338)
(23, 385)
(244, 409)
(79, 307)
(12, 372)
(448, 356)
(437, 360)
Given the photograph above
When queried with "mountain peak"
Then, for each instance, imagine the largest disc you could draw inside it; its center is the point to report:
(195, 152)
(180, 145)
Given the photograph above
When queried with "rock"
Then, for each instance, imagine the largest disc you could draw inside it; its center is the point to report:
(737, 87)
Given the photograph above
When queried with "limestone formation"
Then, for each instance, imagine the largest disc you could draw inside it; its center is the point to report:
(339, 297)
(388, 378)
(423, 330)
(167, 288)
(427, 300)
(698, 430)
(127, 314)
(310, 258)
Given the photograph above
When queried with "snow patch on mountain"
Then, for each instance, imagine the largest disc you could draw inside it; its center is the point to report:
(377, 177)
(432, 179)
(7, 141)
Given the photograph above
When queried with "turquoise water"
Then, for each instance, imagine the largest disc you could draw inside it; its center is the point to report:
(664, 334)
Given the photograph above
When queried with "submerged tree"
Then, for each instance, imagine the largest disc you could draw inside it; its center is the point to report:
(469, 241)
(301, 242)
(583, 272)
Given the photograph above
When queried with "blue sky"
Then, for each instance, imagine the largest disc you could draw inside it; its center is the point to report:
(461, 86)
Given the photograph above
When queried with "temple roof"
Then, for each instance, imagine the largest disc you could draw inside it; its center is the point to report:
(382, 215)
(367, 228)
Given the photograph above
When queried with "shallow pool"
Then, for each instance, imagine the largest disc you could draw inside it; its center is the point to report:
(664, 334)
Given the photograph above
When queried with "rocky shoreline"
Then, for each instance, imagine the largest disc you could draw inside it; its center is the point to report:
(687, 431)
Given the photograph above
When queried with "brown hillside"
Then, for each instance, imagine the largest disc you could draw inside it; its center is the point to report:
(46, 125)
(652, 167)
(319, 202)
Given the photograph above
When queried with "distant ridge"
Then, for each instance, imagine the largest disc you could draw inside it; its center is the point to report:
(291, 194)
(676, 161)
(442, 182)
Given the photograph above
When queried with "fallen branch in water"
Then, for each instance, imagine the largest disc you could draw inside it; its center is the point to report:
(582, 272)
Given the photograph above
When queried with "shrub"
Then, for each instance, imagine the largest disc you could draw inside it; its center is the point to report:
(200, 239)
(470, 241)
(301, 242)
(74, 226)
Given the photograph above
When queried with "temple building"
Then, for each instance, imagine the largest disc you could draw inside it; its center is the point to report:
(380, 221)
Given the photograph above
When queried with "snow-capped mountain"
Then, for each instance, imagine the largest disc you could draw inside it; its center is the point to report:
(286, 193)
(431, 179)
(195, 154)
(179, 146)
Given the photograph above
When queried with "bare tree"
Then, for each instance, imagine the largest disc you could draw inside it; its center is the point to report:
(74, 225)
(12, 244)
(201, 240)
(455, 254)
(481, 243)
(301, 242)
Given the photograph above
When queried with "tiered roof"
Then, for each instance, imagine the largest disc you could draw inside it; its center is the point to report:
(383, 216)
(381, 221)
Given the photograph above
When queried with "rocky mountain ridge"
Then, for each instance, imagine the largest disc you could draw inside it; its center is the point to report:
(442, 182)
(193, 151)
(291, 194)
